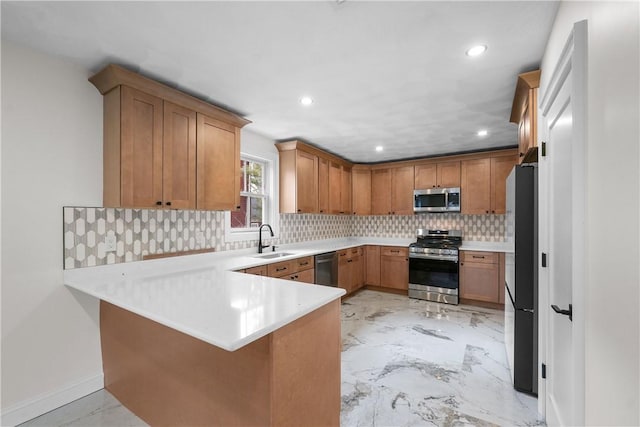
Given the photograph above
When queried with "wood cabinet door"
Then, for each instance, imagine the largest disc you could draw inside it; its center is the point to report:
(372, 265)
(500, 169)
(479, 281)
(140, 149)
(218, 160)
(361, 191)
(426, 176)
(305, 276)
(394, 272)
(323, 185)
(344, 271)
(345, 191)
(475, 186)
(335, 184)
(306, 182)
(381, 192)
(448, 174)
(260, 270)
(179, 157)
(357, 267)
(402, 190)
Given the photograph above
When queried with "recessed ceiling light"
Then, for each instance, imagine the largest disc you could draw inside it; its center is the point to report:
(379, 148)
(483, 132)
(476, 50)
(306, 101)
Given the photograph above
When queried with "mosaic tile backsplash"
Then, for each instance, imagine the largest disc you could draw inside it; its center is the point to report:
(140, 232)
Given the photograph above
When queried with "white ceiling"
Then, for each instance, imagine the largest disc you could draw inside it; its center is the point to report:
(381, 73)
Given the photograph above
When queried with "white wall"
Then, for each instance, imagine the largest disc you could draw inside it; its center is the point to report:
(51, 157)
(612, 294)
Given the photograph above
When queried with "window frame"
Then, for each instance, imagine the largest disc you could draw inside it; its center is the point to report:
(270, 213)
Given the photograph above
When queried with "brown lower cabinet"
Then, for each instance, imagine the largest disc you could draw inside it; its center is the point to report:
(372, 265)
(394, 267)
(481, 276)
(299, 270)
(351, 269)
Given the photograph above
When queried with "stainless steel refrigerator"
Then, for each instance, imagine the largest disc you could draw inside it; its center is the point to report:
(521, 277)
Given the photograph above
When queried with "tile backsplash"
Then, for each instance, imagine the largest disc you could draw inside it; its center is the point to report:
(139, 232)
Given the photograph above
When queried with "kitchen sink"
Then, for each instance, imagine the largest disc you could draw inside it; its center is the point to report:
(274, 255)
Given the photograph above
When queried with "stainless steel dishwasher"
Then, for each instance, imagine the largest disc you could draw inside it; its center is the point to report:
(327, 269)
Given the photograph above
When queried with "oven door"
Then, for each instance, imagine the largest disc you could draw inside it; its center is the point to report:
(432, 271)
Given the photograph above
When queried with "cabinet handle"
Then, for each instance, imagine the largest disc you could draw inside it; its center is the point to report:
(281, 268)
(395, 251)
(159, 203)
(341, 212)
(521, 154)
(349, 260)
(168, 203)
(304, 263)
(343, 254)
(476, 256)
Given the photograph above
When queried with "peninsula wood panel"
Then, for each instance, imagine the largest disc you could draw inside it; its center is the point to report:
(290, 377)
(323, 185)
(361, 191)
(141, 149)
(218, 160)
(179, 157)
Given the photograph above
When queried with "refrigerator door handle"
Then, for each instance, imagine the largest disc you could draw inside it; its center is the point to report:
(568, 312)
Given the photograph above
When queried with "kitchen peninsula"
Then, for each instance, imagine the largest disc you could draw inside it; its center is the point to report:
(186, 342)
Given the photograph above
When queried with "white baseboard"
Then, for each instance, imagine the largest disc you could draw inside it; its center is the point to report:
(29, 409)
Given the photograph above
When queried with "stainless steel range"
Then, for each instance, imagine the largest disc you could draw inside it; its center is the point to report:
(433, 265)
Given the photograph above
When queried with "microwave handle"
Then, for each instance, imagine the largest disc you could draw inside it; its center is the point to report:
(446, 200)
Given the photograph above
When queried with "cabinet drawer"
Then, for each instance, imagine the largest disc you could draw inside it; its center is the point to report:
(302, 264)
(479, 257)
(279, 269)
(394, 251)
(344, 254)
(305, 276)
(260, 270)
(355, 251)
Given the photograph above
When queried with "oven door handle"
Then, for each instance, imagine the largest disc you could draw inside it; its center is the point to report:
(435, 257)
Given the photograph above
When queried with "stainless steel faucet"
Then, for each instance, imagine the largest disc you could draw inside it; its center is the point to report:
(260, 246)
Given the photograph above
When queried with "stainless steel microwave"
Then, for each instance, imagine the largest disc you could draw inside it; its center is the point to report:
(436, 200)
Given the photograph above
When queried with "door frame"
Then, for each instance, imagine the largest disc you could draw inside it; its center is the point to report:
(573, 59)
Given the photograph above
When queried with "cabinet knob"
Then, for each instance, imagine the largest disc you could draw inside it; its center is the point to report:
(487, 211)
(521, 154)
(321, 210)
(433, 186)
(389, 213)
(168, 203)
(238, 207)
(159, 203)
(299, 210)
(493, 211)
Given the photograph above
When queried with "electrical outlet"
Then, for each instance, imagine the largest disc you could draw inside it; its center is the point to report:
(110, 242)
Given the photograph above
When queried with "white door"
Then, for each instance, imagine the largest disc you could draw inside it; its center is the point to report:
(562, 193)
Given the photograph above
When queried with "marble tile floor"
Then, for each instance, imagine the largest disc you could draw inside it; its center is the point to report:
(405, 362)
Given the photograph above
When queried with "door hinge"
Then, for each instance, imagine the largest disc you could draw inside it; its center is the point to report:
(544, 259)
(544, 371)
(543, 149)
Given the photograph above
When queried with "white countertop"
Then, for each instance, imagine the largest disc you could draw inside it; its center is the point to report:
(486, 246)
(201, 295)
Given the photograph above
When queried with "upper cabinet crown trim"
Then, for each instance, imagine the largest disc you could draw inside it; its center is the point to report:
(113, 76)
(526, 81)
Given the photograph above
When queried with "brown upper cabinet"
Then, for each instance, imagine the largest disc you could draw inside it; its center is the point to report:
(437, 175)
(323, 185)
(361, 194)
(392, 191)
(483, 184)
(157, 154)
(312, 180)
(298, 182)
(524, 114)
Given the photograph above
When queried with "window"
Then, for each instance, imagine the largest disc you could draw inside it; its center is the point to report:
(254, 199)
